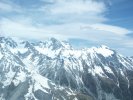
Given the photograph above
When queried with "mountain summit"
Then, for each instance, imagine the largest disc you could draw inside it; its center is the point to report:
(53, 70)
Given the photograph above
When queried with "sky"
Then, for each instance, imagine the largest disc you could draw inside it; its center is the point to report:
(83, 23)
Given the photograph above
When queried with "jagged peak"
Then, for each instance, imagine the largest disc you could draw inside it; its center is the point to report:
(55, 44)
(104, 47)
(8, 41)
(53, 39)
(103, 50)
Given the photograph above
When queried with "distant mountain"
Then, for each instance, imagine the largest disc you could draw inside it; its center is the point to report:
(54, 70)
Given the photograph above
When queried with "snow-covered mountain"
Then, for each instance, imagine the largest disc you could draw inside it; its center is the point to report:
(53, 70)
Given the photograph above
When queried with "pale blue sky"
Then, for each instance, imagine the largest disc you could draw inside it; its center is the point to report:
(84, 23)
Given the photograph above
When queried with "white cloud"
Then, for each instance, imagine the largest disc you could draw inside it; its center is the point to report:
(90, 10)
(77, 7)
(22, 30)
(109, 28)
(69, 11)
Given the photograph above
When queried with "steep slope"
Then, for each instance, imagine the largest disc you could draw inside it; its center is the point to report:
(53, 70)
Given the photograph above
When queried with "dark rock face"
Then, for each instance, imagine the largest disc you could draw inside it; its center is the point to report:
(42, 96)
(15, 93)
(90, 83)
(50, 71)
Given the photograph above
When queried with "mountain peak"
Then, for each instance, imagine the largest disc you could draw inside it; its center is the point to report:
(104, 47)
(104, 50)
(8, 41)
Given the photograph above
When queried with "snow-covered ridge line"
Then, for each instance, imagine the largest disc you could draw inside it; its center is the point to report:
(52, 45)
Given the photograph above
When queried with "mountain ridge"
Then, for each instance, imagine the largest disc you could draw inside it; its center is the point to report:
(53, 70)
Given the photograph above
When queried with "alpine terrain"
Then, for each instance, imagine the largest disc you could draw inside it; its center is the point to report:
(54, 70)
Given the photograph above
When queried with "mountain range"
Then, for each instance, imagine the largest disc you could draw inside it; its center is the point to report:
(54, 70)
